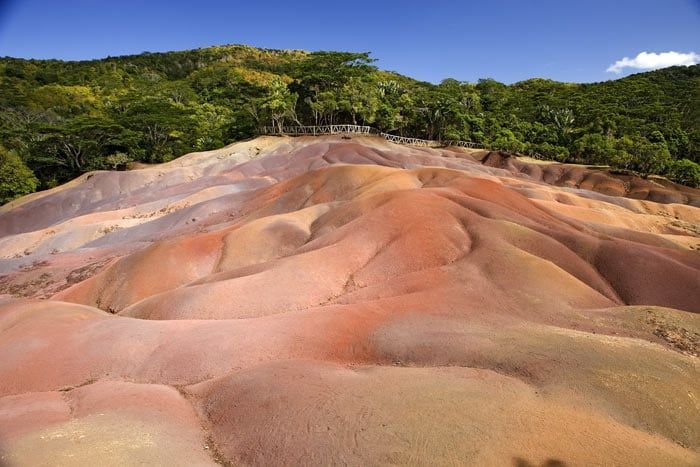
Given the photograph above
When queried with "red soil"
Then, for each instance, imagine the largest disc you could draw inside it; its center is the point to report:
(332, 301)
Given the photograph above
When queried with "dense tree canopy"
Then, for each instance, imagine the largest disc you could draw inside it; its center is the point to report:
(59, 119)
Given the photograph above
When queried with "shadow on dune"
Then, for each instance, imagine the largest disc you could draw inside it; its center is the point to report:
(520, 462)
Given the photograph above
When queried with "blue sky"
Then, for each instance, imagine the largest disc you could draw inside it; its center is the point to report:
(428, 40)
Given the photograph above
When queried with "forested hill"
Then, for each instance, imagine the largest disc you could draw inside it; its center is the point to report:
(59, 119)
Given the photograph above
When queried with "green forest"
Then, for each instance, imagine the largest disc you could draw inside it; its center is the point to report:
(60, 119)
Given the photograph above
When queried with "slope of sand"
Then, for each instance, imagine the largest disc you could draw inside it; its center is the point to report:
(317, 300)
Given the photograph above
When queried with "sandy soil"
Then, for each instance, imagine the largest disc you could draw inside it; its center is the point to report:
(321, 301)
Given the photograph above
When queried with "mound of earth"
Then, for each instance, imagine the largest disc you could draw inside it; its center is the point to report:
(318, 300)
(600, 179)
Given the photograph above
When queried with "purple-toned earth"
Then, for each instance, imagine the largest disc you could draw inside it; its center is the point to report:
(321, 300)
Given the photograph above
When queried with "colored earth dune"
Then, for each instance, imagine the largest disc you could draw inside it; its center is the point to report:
(318, 301)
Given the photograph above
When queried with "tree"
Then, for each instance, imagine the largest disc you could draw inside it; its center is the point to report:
(165, 128)
(359, 98)
(81, 144)
(331, 70)
(324, 107)
(506, 141)
(547, 151)
(684, 171)
(562, 120)
(210, 125)
(118, 160)
(646, 157)
(168, 104)
(66, 101)
(279, 103)
(323, 77)
(16, 179)
(216, 82)
(595, 148)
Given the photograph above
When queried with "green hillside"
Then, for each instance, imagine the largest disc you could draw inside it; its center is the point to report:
(59, 119)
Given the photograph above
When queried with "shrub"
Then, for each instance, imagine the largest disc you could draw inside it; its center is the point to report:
(594, 148)
(506, 141)
(16, 179)
(685, 172)
(548, 151)
(646, 157)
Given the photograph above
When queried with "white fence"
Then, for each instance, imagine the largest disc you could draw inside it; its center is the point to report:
(461, 144)
(318, 130)
(411, 141)
(361, 130)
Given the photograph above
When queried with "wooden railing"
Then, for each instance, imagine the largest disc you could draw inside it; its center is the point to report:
(299, 130)
(411, 141)
(461, 144)
(318, 130)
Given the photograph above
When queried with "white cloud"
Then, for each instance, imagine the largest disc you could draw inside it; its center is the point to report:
(652, 61)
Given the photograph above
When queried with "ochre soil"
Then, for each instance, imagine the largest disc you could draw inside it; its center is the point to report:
(319, 301)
